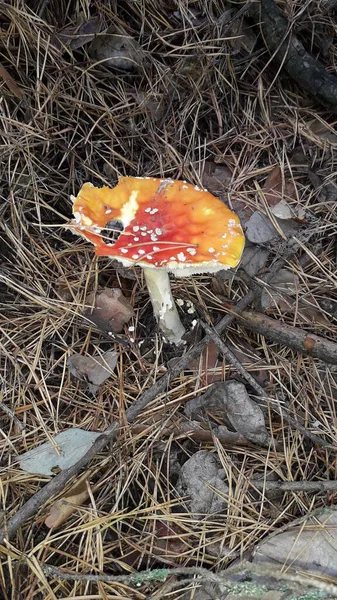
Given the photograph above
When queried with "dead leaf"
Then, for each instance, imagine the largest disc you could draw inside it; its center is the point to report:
(323, 130)
(216, 178)
(117, 51)
(259, 229)
(200, 478)
(283, 285)
(64, 507)
(310, 546)
(93, 369)
(83, 32)
(243, 36)
(253, 259)
(151, 104)
(274, 179)
(11, 83)
(282, 210)
(110, 309)
(230, 400)
(67, 448)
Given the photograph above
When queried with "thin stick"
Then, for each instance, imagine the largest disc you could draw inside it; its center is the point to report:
(225, 580)
(294, 486)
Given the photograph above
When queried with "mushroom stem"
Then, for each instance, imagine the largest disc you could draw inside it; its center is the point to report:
(164, 307)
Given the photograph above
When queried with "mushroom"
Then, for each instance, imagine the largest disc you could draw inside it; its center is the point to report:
(169, 227)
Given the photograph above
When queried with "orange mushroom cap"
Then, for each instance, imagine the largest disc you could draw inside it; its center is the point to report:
(169, 224)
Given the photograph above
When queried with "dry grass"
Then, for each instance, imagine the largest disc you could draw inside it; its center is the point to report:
(198, 96)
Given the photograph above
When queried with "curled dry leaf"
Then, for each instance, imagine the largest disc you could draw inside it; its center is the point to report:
(67, 448)
(64, 507)
(200, 478)
(230, 400)
(94, 370)
(110, 309)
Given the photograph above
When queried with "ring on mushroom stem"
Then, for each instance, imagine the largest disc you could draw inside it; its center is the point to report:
(168, 227)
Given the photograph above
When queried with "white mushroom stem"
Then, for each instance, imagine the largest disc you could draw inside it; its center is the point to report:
(164, 307)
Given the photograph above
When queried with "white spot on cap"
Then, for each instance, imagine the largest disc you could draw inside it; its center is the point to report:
(143, 228)
(72, 198)
(129, 209)
(136, 239)
(135, 228)
(180, 301)
(124, 250)
(78, 217)
(224, 235)
(181, 257)
(108, 211)
(154, 238)
(143, 233)
(173, 258)
(211, 250)
(86, 221)
(141, 251)
(184, 187)
(191, 251)
(156, 249)
(158, 231)
(153, 211)
(135, 256)
(197, 189)
(148, 209)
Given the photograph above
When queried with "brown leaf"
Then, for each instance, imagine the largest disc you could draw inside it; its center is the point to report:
(94, 370)
(208, 363)
(61, 510)
(274, 179)
(11, 84)
(276, 191)
(110, 309)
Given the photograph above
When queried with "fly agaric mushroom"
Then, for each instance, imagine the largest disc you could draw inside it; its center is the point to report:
(169, 226)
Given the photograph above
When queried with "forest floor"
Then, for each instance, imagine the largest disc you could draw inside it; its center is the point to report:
(91, 91)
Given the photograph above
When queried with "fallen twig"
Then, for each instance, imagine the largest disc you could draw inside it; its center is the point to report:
(224, 581)
(293, 337)
(275, 404)
(294, 486)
